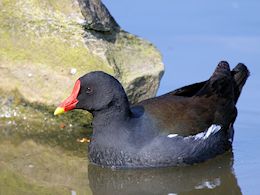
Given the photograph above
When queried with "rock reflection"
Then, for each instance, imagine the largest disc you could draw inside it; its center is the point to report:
(212, 177)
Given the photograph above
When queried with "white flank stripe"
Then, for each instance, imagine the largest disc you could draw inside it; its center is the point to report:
(212, 130)
(199, 135)
(172, 135)
(202, 135)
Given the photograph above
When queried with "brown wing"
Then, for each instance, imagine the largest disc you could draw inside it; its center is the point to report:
(192, 109)
(181, 115)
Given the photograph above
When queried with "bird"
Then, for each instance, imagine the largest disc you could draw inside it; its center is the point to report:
(183, 127)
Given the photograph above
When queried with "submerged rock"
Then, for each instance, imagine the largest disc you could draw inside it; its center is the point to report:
(47, 45)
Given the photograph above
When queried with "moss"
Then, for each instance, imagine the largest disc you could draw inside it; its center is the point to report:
(39, 153)
(47, 38)
(35, 33)
(50, 51)
(44, 37)
(24, 120)
(143, 54)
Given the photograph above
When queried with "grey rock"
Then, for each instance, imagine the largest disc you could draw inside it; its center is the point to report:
(97, 16)
(41, 42)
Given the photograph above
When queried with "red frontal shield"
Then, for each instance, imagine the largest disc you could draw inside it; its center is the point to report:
(70, 102)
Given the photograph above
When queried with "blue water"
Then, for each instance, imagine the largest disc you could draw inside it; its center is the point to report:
(193, 36)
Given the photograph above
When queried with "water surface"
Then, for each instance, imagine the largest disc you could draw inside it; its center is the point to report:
(47, 165)
(193, 36)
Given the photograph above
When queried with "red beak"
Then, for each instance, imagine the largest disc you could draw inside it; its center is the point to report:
(70, 102)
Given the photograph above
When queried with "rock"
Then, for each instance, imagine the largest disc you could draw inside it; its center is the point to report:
(47, 45)
(97, 16)
(137, 65)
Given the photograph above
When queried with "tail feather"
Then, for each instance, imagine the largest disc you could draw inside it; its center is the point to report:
(219, 82)
(226, 83)
(222, 71)
(240, 74)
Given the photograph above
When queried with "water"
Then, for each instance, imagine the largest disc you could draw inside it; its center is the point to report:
(193, 37)
(31, 166)
(213, 177)
(36, 158)
(39, 157)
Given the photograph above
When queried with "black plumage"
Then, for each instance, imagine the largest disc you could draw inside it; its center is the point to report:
(188, 125)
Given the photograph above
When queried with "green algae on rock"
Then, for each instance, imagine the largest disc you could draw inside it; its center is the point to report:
(40, 154)
(46, 45)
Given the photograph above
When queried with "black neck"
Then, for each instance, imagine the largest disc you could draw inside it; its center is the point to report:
(117, 110)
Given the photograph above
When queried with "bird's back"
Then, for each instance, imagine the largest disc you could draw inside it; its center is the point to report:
(192, 109)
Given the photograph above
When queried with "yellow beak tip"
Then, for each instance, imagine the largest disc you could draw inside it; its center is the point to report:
(58, 111)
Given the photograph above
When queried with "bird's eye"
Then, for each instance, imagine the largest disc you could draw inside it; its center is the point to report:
(89, 90)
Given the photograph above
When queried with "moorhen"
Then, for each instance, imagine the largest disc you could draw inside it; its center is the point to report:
(186, 126)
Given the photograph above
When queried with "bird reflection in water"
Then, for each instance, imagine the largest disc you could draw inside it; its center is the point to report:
(215, 176)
